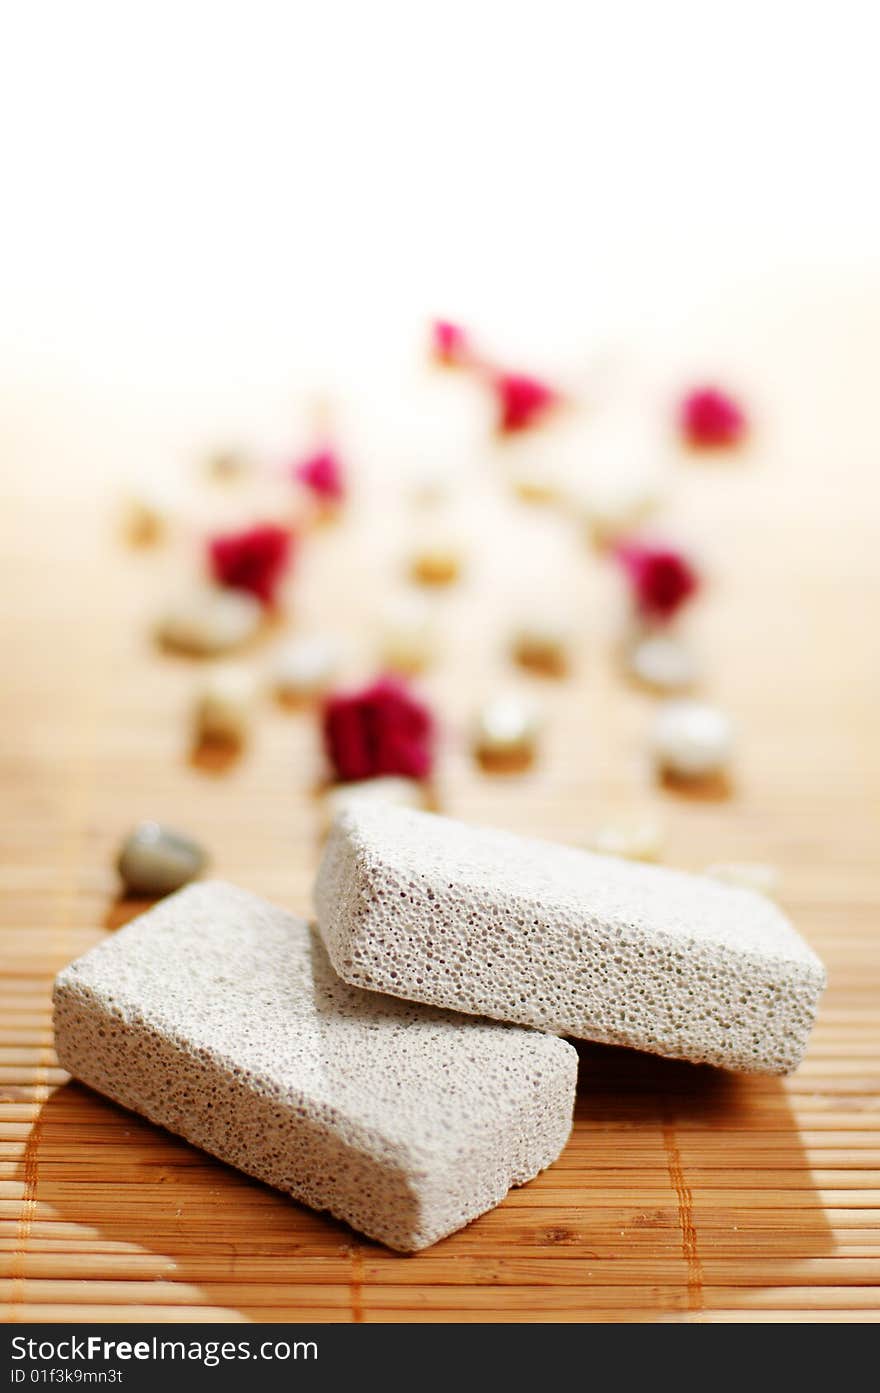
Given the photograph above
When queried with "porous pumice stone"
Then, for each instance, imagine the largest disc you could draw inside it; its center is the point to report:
(219, 1017)
(564, 940)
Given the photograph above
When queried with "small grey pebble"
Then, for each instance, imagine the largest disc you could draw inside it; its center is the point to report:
(155, 860)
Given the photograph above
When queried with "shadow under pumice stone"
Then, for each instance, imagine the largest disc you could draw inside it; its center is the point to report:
(125, 908)
(678, 1179)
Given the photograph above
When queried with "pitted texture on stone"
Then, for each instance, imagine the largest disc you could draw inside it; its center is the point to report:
(219, 1017)
(566, 941)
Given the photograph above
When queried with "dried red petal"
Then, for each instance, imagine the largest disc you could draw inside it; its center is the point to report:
(662, 579)
(522, 400)
(323, 474)
(709, 417)
(450, 343)
(381, 729)
(253, 560)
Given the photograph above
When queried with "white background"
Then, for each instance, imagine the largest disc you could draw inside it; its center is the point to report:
(213, 192)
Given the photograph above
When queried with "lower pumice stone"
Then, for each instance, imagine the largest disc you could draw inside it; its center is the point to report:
(155, 860)
(564, 940)
(219, 1016)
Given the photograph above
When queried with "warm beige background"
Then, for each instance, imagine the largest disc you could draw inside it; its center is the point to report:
(189, 263)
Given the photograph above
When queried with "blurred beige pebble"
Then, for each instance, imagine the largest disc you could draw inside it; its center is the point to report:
(437, 561)
(210, 620)
(507, 727)
(535, 482)
(305, 666)
(749, 875)
(225, 704)
(542, 642)
(227, 465)
(407, 636)
(636, 839)
(147, 514)
(400, 792)
(691, 739)
(156, 860)
(661, 661)
(614, 504)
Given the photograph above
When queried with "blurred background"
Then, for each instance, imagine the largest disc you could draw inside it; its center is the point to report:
(227, 226)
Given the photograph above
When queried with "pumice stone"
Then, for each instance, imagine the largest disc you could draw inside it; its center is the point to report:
(561, 939)
(219, 1016)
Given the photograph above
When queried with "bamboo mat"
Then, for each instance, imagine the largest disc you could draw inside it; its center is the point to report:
(686, 1194)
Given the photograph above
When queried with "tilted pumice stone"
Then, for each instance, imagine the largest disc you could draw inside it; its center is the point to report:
(564, 940)
(219, 1016)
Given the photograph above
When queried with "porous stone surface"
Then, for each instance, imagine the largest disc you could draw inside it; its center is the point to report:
(219, 1016)
(564, 940)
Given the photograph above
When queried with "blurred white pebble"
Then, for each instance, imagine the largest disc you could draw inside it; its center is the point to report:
(402, 793)
(749, 875)
(611, 505)
(661, 661)
(638, 839)
(691, 739)
(148, 512)
(225, 702)
(428, 486)
(210, 620)
(304, 666)
(407, 639)
(506, 728)
(542, 642)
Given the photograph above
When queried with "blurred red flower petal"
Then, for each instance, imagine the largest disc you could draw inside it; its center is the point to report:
(323, 474)
(522, 400)
(254, 560)
(381, 729)
(709, 417)
(662, 579)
